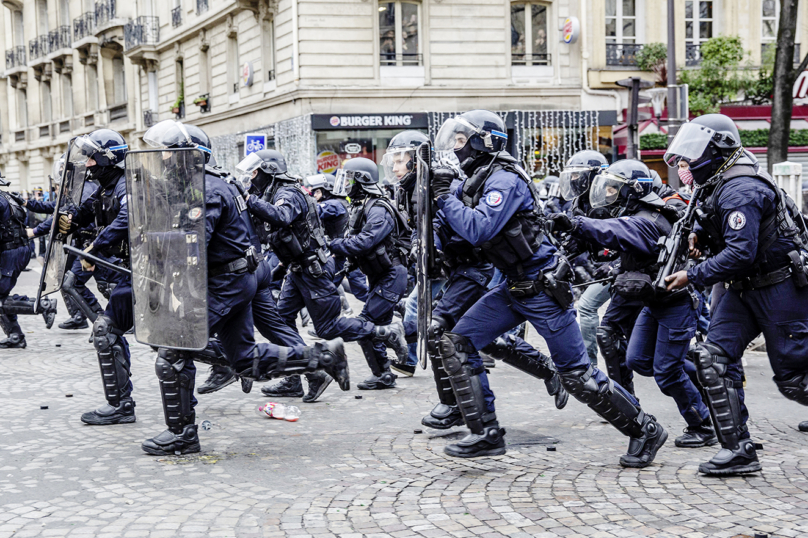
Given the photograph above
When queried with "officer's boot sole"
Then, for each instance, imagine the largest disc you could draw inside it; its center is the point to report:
(96, 420)
(207, 388)
(149, 447)
(496, 451)
(561, 398)
(430, 421)
(710, 441)
(709, 470)
(312, 397)
(639, 464)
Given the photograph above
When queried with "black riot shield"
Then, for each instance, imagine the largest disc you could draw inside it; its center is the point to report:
(67, 202)
(425, 252)
(166, 191)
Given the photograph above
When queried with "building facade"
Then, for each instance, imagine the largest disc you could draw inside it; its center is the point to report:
(324, 80)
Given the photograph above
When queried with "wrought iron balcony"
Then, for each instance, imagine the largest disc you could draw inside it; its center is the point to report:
(530, 59)
(37, 48)
(765, 47)
(149, 118)
(59, 38)
(15, 57)
(83, 26)
(142, 31)
(201, 6)
(388, 58)
(104, 12)
(622, 53)
(176, 16)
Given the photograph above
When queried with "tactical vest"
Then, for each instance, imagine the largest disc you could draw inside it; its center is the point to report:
(303, 242)
(335, 228)
(646, 264)
(522, 235)
(392, 250)
(786, 219)
(12, 232)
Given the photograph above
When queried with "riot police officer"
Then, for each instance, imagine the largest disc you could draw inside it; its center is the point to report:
(498, 210)
(231, 287)
(378, 242)
(758, 241)
(662, 333)
(297, 237)
(104, 150)
(15, 256)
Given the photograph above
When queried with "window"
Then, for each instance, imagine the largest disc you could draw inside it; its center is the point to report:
(771, 14)
(698, 28)
(153, 94)
(67, 96)
(118, 80)
(179, 85)
(204, 71)
(47, 103)
(621, 21)
(91, 72)
(19, 29)
(42, 16)
(232, 66)
(529, 34)
(64, 12)
(268, 46)
(22, 109)
(399, 35)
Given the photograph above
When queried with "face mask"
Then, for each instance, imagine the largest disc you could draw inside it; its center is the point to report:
(105, 175)
(463, 153)
(686, 176)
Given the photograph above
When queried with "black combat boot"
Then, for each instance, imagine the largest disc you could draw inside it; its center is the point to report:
(491, 442)
(642, 450)
(289, 387)
(697, 436)
(394, 336)
(105, 415)
(47, 307)
(14, 341)
(219, 378)
(170, 443)
(318, 382)
(385, 381)
(78, 321)
(443, 417)
(733, 461)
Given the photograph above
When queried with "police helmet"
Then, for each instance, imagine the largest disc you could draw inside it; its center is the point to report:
(709, 145)
(472, 133)
(262, 168)
(105, 146)
(577, 175)
(58, 169)
(358, 176)
(399, 161)
(548, 187)
(171, 134)
(621, 183)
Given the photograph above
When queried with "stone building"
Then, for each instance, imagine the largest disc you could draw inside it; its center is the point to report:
(324, 80)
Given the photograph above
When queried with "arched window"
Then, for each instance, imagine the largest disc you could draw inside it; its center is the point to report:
(400, 33)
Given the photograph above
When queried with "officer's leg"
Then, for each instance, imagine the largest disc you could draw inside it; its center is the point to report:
(290, 302)
(22, 305)
(612, 338)
(588, 384)
(84, 309)
(359, 284)
(114, 360)
(591, 300)
(176, 373)
(346, 308)
(718, 362)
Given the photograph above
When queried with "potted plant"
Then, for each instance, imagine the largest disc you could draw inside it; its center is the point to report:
(176, 108)
(202, 100)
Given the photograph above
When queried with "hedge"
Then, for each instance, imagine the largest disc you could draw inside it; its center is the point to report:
(756, 138)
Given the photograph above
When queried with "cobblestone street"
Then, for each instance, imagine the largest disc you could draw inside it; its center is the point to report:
(354, 466)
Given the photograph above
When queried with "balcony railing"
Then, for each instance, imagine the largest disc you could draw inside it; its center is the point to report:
(83, 26)
(622, 53)
(765, 47)
(118, 112)
(142, 31)
(15, 57)
(149, 118)
(37, 47)
(176, 16)
(104, 12)
(201, 6)
(388, 58)
(59, 38)
(530, 59)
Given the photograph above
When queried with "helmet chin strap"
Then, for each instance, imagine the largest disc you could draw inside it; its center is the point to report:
(726, 166)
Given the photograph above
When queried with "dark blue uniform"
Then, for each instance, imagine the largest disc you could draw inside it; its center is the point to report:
(14, 257)
(662, 333)
(334, 211)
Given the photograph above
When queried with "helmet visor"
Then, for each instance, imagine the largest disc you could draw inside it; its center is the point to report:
(315, 182)
(167, 134)
(690, 143)
(573, 182)
(84, 149)
(397, 163)
(605, 189)
(342, 183)
(249, 164)
(453, 134)
(58, 169)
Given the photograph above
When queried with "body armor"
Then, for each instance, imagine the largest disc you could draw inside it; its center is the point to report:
(106, 208)
(302, 243)
(390, 251)
(12, 232)
(335, 228)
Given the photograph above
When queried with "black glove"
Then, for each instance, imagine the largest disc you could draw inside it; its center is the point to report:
(442, 181)
(561, 222)
(603, 271)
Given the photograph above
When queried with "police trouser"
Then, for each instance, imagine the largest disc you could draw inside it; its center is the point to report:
(613, 336)
(385, 292)
(498, 311)
(265, 312)
(12, 262)
(357, 280)
(658, 347)
(80, 285)
(780, 312)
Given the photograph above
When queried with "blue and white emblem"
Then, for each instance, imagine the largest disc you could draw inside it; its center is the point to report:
(494, 198)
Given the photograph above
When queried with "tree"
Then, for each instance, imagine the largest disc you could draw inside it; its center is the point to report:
(718, 79)
(784, 77)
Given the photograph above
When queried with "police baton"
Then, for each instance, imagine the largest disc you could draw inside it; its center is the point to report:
(96, 260)
(601, 281)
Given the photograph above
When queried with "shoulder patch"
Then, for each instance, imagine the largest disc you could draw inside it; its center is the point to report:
(736, 220)
(494, 198)
(280, 202)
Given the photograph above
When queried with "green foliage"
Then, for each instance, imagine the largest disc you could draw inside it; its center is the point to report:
(754, 138)
(718, 79)
(180, 98)
(652, 57)
(759, 90)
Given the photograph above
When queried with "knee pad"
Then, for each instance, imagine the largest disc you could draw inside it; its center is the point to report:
(711, 363)
(795, 389)
(466, 384)
(722, 393)
(581, 384)
(436, 329)
(176, 388)
(105, 333)
(611, 344)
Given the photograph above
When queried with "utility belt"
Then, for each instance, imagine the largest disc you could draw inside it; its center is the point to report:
(11, 245)
(471, 256)
(313, 263)
(238, 266)
(639, 286)
(797, 268)
(378, 261)
(554, 283)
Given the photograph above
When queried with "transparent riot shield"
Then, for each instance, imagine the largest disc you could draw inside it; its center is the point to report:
(425, 261)
(68, 201)
(166, 207)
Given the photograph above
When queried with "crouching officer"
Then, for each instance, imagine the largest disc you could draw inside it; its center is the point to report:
(498, 210)
(757, 239)
(662, 333)
(14, 257)
(378, 243)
